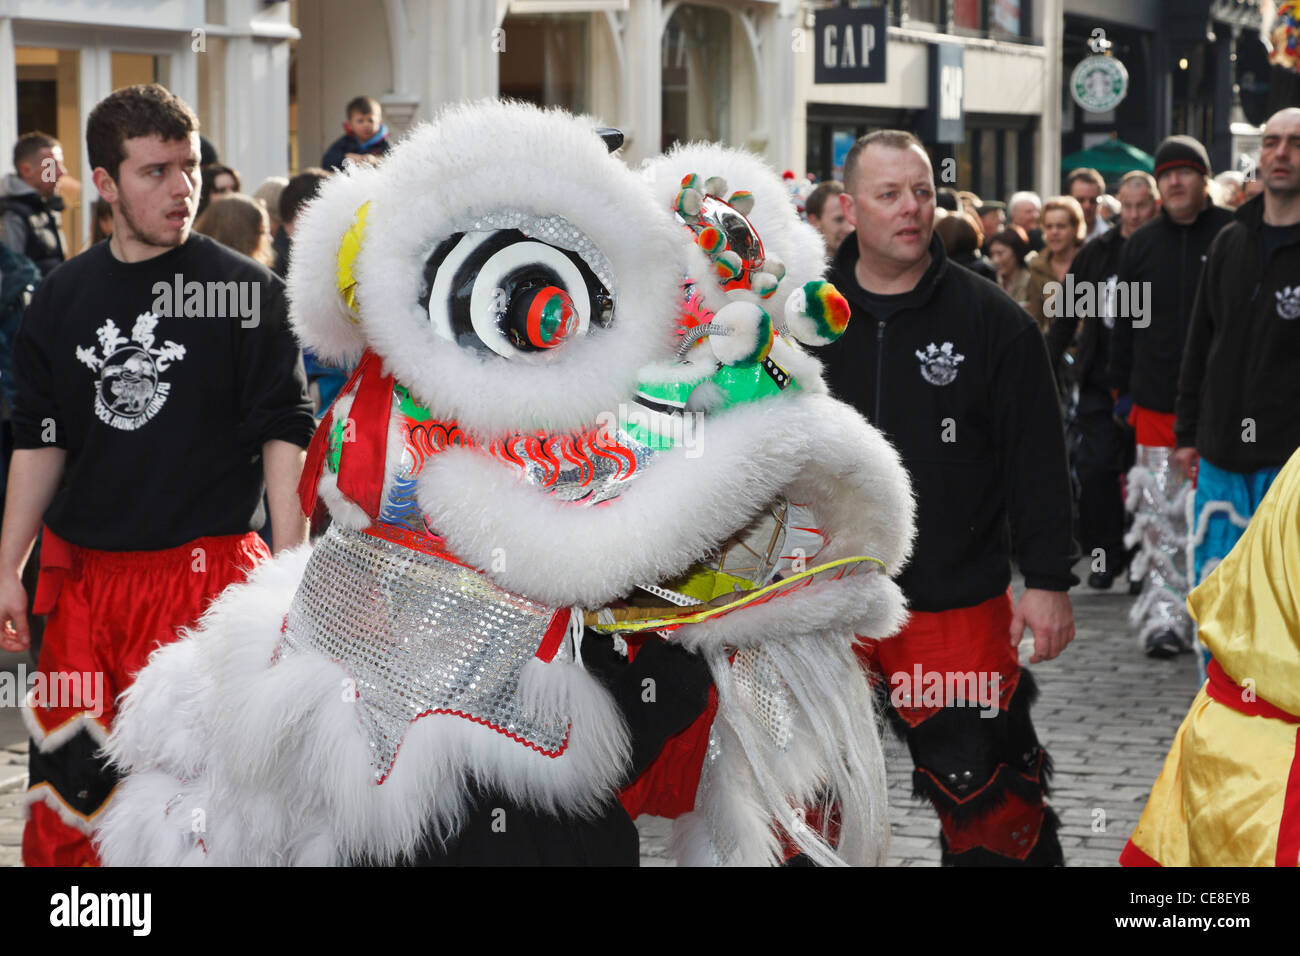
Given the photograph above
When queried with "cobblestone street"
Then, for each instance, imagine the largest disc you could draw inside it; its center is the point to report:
(1106, 714)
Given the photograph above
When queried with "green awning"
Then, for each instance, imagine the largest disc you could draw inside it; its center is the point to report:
(1112, 159)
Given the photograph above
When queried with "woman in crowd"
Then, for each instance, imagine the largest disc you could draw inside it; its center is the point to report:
(1008, 251)
(218, 180)
(961, 237)
(240, 222)
(1063, 234)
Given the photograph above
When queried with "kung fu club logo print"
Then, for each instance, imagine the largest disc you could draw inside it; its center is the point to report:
(1288, 302)
(939, 364)
(129, 390)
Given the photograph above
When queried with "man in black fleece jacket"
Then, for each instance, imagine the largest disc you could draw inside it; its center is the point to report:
(1238, 411)
(956, 376)
(1160, 267)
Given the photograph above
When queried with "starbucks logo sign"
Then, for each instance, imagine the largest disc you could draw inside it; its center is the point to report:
(1099, 84)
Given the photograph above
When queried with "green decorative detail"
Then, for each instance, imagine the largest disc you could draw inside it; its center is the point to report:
(749, 383)
(409, 406)
(668, 393)
(641, 431)
(336, 446)
(552, 313)
(739, 384)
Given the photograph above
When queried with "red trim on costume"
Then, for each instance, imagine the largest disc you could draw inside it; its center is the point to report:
(1133, 855)
(993, 830)
(554, 635)
(1288, 829)
(431, 545)
(56, 562)
(361, 470)
(1227, 692)
(486, 723)
(318, 449)
(1154, 429)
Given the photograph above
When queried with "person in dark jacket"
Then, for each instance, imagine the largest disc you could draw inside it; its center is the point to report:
(1102, 448)
(364, 139)
(1238, 409)
(956, 375)
(33, 224)
(1159, 270)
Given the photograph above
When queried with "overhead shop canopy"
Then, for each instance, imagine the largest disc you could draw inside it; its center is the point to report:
(1112, 159)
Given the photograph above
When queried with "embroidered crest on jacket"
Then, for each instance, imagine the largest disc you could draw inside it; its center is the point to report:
(939, 364)
(1288, 302)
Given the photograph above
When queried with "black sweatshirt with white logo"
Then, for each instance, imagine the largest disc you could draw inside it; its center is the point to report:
(162, 380)
(1239, 391)
(1166, 258)
(957, 377)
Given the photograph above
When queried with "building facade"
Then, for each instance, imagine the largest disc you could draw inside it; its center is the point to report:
(660, 70)
(1008, 56)
(1197, 67)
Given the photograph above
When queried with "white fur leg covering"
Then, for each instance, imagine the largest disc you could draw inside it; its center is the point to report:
(794, 731)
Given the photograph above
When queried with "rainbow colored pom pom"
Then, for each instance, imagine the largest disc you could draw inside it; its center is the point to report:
(749, 334)
(742, 200)
(827, 309)
(688, 202)
(763, 284)
(691, 181)
(712, 241)
(729, 266)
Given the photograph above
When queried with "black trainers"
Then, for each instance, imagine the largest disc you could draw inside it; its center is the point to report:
(1134, 586)
(1101, 580)
(1163, 645)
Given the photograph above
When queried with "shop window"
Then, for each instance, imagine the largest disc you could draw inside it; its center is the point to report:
(1005, 18)
(545, 60)
(966, 14)
(130, 69)
(696, 81)
(928, 12)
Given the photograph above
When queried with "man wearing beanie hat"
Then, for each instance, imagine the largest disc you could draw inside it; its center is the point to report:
(1159, 269)
(1238, 392)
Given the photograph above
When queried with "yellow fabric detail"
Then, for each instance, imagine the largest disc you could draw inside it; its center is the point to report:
(349, 247)
(1248, 609)
(629, 620)
(1218, 801)
(706, 584)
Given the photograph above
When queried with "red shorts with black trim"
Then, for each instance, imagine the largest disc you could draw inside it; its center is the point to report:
(957, 694)
(108, 611)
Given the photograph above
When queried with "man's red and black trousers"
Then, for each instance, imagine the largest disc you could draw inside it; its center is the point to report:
(957, 694)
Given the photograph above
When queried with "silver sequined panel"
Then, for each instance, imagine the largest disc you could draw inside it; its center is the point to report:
(1162, 561)
(419, 635)
(556, 231)
(722, 832)
(763, 693)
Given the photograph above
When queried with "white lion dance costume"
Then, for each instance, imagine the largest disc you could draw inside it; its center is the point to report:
(569, 492)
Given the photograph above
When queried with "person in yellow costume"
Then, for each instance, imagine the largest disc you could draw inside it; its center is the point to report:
(1229, 793)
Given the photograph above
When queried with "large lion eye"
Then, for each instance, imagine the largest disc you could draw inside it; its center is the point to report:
(505, 293)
